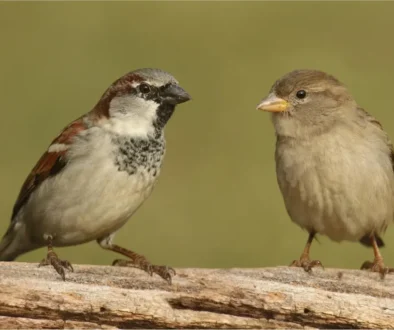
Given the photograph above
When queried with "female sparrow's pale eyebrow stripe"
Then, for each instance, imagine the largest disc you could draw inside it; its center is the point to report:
(97, 173)
(334, 163)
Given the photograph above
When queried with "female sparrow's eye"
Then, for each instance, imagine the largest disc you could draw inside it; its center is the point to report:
(144, 88)
(301, 94)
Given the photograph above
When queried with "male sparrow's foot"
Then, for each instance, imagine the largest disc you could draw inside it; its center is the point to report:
(58, 264)
(307, 264)
(377, 266)
(164, 272)
(136, 260)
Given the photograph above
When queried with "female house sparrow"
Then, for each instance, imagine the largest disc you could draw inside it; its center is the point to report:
(334, 163)
(97, 172)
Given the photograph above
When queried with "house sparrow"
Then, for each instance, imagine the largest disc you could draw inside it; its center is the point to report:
(97, 172)
(334, 163)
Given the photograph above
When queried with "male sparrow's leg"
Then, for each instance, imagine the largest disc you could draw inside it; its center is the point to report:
(377, 265)
(304, 260)
(53, 259)
(137, 260)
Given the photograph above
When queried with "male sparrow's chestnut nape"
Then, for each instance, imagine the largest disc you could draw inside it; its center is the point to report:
(97, 172)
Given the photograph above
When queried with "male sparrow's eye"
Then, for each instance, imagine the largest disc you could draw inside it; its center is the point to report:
(301, 94)
(144, 88)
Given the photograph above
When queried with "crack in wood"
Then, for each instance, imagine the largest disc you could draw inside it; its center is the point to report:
(246, 310)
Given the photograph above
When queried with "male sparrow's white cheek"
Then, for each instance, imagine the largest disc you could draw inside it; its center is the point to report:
(132, 115)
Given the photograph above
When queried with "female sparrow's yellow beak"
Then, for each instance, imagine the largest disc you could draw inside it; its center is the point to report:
(272, 103)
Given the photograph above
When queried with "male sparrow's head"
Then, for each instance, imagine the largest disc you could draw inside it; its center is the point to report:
(309, 97)
(143, 100)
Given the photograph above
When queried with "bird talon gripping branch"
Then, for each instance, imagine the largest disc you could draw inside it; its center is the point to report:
(53, 260)
(307, 265)
(377, 265)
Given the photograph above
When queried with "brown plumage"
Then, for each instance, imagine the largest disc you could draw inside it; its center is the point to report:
(334, 162)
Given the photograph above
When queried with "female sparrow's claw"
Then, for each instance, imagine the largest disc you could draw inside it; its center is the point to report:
(377, 266)
(306, 264)
(367, 265)
(304, 261)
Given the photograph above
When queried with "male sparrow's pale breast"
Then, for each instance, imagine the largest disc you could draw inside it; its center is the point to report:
(108, 176)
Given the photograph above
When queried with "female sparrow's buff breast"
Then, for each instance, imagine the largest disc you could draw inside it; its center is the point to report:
(337, 185)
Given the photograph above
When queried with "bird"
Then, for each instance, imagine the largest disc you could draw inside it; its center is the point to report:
(96, 173)
(334, 163)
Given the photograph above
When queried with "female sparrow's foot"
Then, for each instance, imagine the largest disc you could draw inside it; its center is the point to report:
(377, 265)
(164, 272)
(53, 259)
(304, 261)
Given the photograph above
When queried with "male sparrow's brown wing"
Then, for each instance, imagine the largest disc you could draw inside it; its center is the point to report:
(50, 163)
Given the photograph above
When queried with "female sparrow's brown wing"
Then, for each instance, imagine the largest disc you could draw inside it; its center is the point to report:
(366, 240)
(375, 122)
(51, 163)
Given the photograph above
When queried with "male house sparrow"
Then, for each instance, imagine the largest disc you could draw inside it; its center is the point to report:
(97, 172)
(334, 163)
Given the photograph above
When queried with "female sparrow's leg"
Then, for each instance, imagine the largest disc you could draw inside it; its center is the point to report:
(304, 260)
(53, 259)
(137, 260)
(377, 265)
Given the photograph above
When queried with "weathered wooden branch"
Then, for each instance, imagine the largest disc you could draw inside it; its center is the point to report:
(102, 297)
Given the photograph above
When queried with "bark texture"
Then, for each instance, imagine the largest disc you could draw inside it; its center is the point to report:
(113, 297)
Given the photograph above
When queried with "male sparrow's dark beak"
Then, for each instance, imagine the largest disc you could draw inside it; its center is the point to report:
(174, 94)
(272, 103)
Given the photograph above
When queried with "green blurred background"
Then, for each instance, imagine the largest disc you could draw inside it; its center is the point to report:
(217, 203)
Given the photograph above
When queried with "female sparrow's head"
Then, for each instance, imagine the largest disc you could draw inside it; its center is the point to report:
(309, 97)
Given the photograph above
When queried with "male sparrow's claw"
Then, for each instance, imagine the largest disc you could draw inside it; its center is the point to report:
(58, 264)
(164, 272)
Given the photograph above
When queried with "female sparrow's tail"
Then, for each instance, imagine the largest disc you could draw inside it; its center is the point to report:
(366, 241)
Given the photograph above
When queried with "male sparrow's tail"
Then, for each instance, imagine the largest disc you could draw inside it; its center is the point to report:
(14, 242)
